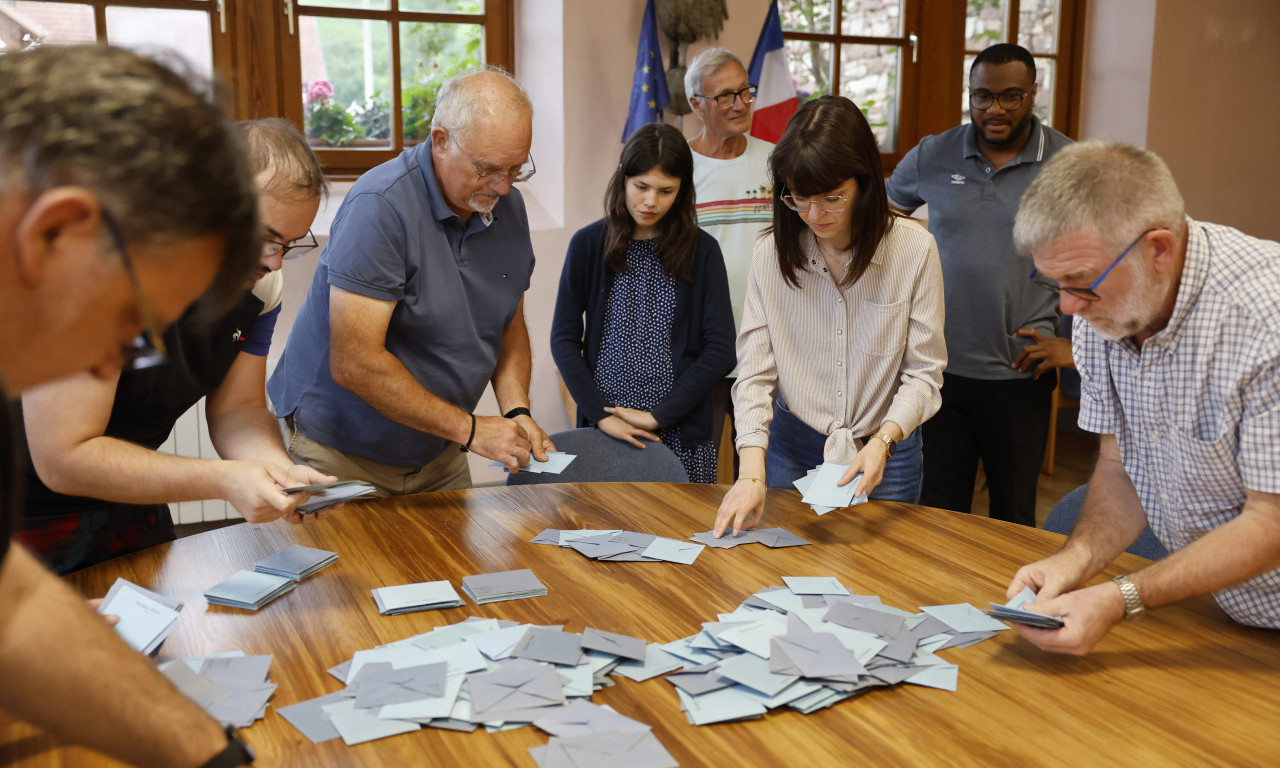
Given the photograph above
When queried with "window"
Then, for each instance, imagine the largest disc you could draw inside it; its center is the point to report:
(360, 76)
(892, 58)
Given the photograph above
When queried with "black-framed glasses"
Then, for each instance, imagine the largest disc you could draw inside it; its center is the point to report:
(522, 174)
(1088, 294)
(1009, 100)
(293, 250)
(828, 203)
(725, 100)
(147, 349)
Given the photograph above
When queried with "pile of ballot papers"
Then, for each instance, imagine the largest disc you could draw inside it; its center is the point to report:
(622, 546)
(1014, 611)
(249, 590)
(231, 687)
(821, 492)
(145, 618)
(504, 585)
(296, 562)
(411, 598)
(774, 538)
(498, 674)
(325, 495)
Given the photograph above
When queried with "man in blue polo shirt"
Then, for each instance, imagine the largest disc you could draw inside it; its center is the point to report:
(972, 178)
(418, 303)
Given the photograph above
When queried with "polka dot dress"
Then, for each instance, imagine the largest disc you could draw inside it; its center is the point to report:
(634, 369)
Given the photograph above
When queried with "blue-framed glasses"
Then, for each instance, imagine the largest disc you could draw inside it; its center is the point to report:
(1088, 294)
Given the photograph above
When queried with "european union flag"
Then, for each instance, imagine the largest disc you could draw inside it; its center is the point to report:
(649, 88)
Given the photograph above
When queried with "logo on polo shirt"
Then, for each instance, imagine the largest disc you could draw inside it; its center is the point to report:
(237, 337)
(957, 178)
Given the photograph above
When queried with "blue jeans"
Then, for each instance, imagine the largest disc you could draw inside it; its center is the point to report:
(795, 448)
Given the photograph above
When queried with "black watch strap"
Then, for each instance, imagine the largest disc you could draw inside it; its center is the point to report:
(235, 754)
(514, 412)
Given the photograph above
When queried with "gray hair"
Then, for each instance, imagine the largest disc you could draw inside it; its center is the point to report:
(1117, 189)
(160, 157)
(707, 63)
(275, 145)
(468, 97)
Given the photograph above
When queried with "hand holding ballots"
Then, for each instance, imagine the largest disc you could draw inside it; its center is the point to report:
(325, 495)
(821, 492)
(555, 463)
(1012, 611)
(146, 618)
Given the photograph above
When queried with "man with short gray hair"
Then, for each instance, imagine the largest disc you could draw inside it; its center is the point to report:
(1177, 339)
(418, 303)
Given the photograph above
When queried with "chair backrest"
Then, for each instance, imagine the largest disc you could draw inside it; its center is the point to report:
(1062, 518)
(602, 458)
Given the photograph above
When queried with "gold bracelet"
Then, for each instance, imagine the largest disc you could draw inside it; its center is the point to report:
(753, 479)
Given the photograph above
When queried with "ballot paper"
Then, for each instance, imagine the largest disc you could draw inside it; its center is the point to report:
(504, 585)
(555, 463)
(249, 590)
(232, 690)
(296, 562)
(1014, 612)
(614, 546)
(146, 618)
(326, 495)
(410, 598)
(820, 489)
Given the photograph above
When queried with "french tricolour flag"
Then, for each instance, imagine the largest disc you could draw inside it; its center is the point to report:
(776, 95)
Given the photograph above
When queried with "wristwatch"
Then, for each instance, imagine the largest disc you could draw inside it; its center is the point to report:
(235, 754)
(889, 442)
(1133, 607)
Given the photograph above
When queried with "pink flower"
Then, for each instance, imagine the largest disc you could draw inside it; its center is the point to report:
(320, 90)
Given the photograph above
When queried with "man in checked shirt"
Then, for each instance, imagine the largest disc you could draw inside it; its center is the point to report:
(1177, 339)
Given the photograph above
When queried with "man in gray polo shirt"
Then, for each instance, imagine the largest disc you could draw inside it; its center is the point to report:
(418, 303)
(972, 178)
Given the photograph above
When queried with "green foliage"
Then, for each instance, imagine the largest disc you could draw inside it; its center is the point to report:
(334, 125)
(374, 117)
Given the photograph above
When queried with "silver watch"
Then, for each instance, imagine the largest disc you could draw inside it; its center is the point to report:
(1133, 607)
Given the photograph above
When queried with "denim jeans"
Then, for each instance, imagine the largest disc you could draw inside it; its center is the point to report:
(795, 448)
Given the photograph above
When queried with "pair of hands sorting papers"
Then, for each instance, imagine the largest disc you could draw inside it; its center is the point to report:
(555, 463)
(1013, 611)
(821, 492)
(146, 618)
(325, 495)
(500, 674)
(270, 578)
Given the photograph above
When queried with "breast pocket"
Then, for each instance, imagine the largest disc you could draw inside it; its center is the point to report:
(880, 330)
(1208, 478)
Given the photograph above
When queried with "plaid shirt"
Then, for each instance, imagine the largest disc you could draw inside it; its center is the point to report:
(1196, 410)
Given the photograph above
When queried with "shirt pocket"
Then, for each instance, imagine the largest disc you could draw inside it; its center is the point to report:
(1207, 478)
(880, 330)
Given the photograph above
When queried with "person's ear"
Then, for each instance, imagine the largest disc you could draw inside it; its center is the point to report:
(60, 225)
(439, 139)
(1164, 249)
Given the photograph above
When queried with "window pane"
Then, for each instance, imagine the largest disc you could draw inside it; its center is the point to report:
(185, 34)
(807, 15)
(429, 55)
(1038, 25)
(346, 73)
(443, 6)
(872, 18)
(984, 24)
(57, 23)
(869, 75)
(810, 65)
(371, 5)
(964, 93)
(1045, 71)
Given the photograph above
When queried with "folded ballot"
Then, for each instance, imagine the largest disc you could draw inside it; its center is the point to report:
(410, 598)
(249, 590)
(296, 562)
(146, 617)
(504, 585)
(325, 495)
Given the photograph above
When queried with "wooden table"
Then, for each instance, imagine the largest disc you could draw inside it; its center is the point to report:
(1183, 687)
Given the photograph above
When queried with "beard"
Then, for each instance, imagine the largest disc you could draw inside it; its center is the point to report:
(483, 202)
(1016, 132)
(1140, 311)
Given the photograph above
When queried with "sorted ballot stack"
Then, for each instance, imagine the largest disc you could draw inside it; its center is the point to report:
(411, 598)
(811, 644)
(495, 673)
(296, 563)
(821, 492)
(504, 585)
(145, 618)
(231, 687)
(622, 546)
(249, 590)
(1014, 611)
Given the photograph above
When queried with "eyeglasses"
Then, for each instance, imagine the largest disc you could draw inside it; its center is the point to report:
(828, 203)
(523, 174)
(293, 250)
(1009, 100)
(147, 349)
(1088, 294)
(725, 100)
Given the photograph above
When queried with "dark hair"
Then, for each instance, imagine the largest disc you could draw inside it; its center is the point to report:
(1004, 53)
(825, 144)
(275, 145)
(662, 147)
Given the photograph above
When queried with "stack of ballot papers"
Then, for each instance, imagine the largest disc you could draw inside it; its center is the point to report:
(555, 463)
(622, 546)
(146, 618)
(325, 495)
(812, 643)
(821, 492)
(249, 590)
(770, 537)
(501, 675)
(231, 687)
(504, 585)
(410, 598)
(1013, 611)
(296, 562)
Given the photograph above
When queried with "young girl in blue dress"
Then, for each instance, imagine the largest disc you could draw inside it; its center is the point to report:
(643, 326)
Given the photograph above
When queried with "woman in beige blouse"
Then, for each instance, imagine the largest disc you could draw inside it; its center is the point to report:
(840, 352)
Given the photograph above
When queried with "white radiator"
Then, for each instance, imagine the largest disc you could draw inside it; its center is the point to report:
(190, 437)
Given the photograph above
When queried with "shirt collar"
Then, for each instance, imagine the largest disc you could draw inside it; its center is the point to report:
(1195, 273)
(1033, 152)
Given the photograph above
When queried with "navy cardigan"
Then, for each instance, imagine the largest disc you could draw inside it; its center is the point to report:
(702, 338)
